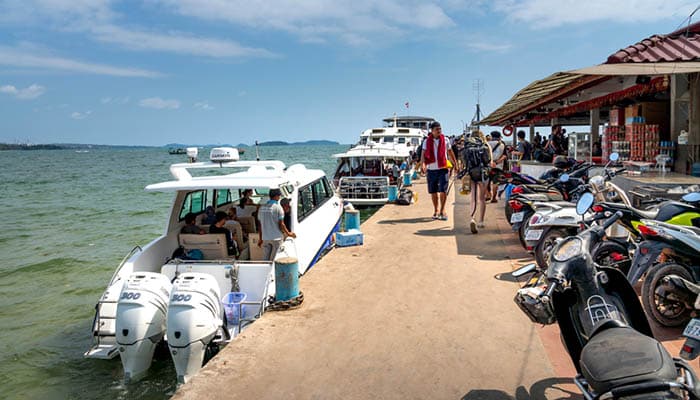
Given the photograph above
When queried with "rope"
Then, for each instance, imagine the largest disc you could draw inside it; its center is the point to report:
(290, 304)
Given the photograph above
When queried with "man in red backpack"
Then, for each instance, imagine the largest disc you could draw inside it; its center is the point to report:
(434, 156)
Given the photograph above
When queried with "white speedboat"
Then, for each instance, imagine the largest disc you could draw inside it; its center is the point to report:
(163, 292)
(365, 172)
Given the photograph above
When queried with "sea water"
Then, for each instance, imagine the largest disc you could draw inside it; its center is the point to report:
(68, 220)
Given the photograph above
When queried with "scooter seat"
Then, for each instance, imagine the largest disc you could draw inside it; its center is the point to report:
(621, 356)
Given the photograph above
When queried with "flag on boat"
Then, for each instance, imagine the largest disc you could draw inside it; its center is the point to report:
(406, 104)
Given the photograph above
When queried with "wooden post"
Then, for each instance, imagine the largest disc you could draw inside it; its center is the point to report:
(595, 129)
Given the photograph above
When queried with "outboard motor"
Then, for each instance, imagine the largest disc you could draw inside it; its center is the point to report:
(194, 318)
(140, 323)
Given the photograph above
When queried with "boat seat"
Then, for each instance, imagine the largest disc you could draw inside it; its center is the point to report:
(248, 224)
(213, 246)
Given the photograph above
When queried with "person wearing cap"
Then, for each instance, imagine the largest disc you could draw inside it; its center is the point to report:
(434, 156)
(272, 227)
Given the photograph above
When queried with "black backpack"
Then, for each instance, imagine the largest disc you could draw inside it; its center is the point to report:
(475, 154)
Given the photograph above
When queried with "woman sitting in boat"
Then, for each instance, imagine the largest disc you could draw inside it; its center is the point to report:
(218, 227)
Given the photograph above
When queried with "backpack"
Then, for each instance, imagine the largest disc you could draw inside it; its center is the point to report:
(475, 154)
(419, 150)
(405, 197)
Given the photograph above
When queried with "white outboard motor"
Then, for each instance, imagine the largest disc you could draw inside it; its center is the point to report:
(194, 318)
(140, 323)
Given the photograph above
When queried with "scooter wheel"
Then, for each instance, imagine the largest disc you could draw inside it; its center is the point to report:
(509, 212)
(546, 244)
(665, 310)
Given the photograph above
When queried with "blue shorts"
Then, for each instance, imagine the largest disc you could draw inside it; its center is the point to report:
(437, 180)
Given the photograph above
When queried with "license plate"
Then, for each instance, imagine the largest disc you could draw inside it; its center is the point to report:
(517, 217)
(692, 330)
(533, 234)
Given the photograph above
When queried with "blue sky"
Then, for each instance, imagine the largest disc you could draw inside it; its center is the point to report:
(153, 72)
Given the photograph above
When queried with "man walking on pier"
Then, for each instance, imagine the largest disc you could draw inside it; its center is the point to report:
(434, 157)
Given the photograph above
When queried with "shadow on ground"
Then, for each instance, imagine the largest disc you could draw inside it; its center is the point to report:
(545, 389)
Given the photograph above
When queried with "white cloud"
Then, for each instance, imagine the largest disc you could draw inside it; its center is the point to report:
(485, 46)
(554, 13)
(356, 23)
(114, 100)
(175, 42)
(28, 58)
(31, 92)
(80, 115)
(158, 103)
(203, 105)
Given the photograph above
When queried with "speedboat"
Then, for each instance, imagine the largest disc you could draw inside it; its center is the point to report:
(365, 172)
(178, 289)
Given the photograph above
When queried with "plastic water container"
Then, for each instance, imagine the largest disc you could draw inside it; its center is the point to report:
(407, 179)
(393, 192)
(286, 278)
(352, 219)
(233, 307)
(415, 175)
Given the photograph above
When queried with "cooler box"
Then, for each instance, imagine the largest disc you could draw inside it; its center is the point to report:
(353, 237)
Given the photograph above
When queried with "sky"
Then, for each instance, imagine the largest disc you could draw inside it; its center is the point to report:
(154, 72)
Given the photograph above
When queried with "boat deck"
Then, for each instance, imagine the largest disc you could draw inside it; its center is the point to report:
(420, 311)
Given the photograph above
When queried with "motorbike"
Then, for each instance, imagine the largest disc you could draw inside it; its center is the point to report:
(690, 293)
(678, 253)
(549, 224)
(545, 190)
(602, 324)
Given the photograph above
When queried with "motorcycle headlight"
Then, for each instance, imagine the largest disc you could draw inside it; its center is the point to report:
(568, 249)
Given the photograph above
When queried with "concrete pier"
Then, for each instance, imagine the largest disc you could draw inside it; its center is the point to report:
(420, 311)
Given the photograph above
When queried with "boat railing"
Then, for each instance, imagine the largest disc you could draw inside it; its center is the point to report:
(126, 258)
(364, 187)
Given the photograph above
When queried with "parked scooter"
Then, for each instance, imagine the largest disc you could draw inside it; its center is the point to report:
(678, 253)
(549, 224)
(690, 293)
(602, 324)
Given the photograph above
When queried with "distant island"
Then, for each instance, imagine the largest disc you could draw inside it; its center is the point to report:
(79, 146)
(306, 143)
(62, 146)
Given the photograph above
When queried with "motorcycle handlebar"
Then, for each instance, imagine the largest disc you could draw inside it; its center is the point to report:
(611, 220)
(547, 295)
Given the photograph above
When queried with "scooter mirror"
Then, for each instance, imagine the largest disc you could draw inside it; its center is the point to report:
(524, 270)
(564, 178)
(614, 157)
(691, 197)
(584, 203)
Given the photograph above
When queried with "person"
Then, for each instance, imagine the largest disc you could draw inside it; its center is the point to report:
(247, 200)
(537, 141)
(190, 225)
(287, 208)
(209, 215)
(477, 158)
(218, 227)
(524, 149)
(557, 142)
(597, 150)
(232, 222)
(436, 152)
(272, 227)
(498, 154)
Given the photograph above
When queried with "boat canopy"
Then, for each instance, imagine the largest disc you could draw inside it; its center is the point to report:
(256, 175)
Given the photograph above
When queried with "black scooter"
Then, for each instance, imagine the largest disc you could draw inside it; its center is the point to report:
(602, 323)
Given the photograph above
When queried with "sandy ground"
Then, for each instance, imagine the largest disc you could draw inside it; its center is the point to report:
(420, 311)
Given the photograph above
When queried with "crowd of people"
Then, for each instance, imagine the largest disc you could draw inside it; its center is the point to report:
(480, 158)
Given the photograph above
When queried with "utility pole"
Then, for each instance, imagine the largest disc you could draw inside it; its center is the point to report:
(477, 86)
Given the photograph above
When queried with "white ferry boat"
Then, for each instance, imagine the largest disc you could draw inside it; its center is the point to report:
(365, 172)
(406, 131)
(157, 295)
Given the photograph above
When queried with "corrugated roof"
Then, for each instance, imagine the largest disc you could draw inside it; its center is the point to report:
(681, 45)
(533, 95)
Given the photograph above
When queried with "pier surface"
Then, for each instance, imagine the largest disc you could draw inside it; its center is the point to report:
(423, 310)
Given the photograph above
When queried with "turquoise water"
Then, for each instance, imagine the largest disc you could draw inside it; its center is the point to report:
(69, 220)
